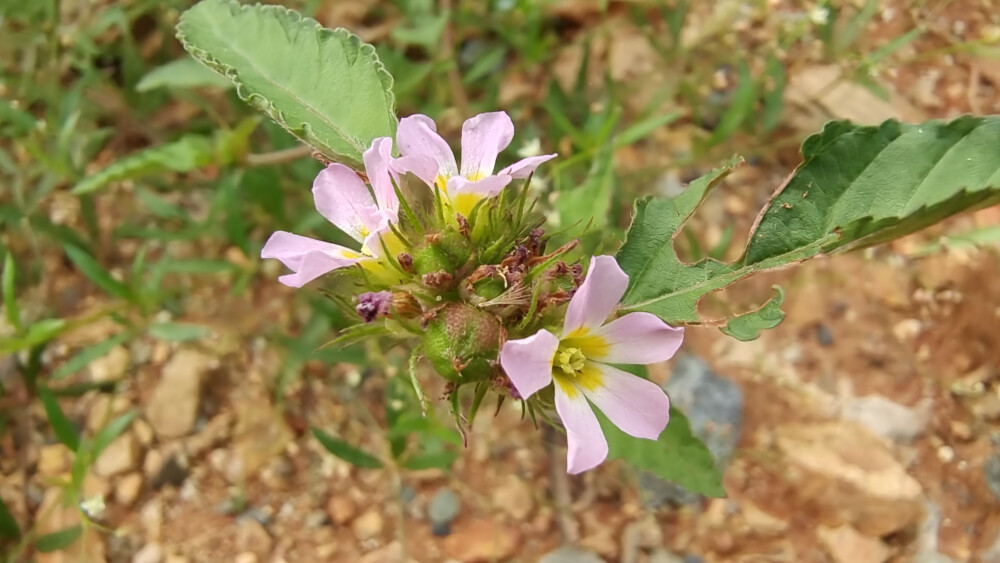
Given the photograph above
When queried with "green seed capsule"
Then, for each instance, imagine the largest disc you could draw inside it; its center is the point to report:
(463, 342)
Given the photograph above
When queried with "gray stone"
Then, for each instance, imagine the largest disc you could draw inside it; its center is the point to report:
(570, 554)
(442, 510)
(664, 556)
(926, 542)
(887, 418)
(991, 472)
(714, 407)
(172, 472)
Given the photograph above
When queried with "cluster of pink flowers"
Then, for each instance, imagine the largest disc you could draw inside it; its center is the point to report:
(343, 199)
(576, 361)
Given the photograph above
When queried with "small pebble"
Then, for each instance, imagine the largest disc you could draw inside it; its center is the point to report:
(824, 335)
(443, 509)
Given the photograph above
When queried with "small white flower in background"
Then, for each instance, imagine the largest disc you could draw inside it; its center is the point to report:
(532, 148)
(819, 15)
(93, 507)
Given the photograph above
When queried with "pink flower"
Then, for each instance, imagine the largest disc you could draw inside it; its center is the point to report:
(429, 157)
(577, 361)
(342, 197)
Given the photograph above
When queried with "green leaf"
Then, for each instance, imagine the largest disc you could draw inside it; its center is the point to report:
(178, 332)
(774, 96)
(15, 121)
(9, 288)
(677, 456)
(857, 186)
(39, 332)
(592, 200)
(160, 207)
(976, 238)
(638, 131)
(359, 333)
(743, 103)
(196, 266)
(58, 540)
(182, 73)
(63, 428)
(88, 355)
(8, 525)
(425, 30)
(186, 154)
(109, 433)
(345, 451)
(95, 273)
(849, 33)
(430, 460)
(324, 86)
(748, 325)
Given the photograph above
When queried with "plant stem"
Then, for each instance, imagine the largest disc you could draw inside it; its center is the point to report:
(278, 157)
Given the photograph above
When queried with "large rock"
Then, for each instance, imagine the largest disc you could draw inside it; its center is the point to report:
(847, 545)
(173, 406)
(851, 476)
(514, 497)
(120, 456)
(111, 366)
(570, 554)
(714, 407)
(479, 541)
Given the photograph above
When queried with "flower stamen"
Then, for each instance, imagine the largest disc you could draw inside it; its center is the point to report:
(570, 361)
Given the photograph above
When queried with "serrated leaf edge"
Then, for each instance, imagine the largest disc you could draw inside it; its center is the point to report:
(822, 246)
(260, 102)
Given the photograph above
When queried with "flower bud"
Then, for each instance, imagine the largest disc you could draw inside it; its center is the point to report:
(463, 342)
(373, 304)
(447, 250)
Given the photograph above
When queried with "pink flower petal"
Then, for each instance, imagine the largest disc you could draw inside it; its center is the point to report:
(421, 166)
(344, 200)
(487, 187)
(528, 361)
(597, 296)
(483, 137)
(585, 440)
(524, 168)
(308, 258)
(417, 136)
(638, 406)
(377, 160)
(378, 224)
(639, 338)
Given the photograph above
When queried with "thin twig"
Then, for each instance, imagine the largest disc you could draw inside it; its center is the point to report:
(448, 52)
(278, 157)
(561, 496)
(395, 472)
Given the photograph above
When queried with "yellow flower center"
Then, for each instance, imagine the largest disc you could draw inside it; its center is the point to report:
(572, 366)
(570, 361)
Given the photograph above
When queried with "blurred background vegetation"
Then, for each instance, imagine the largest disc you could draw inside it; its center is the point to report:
(136, 189)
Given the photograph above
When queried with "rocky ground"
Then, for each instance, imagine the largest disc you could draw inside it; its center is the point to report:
(864, 429)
